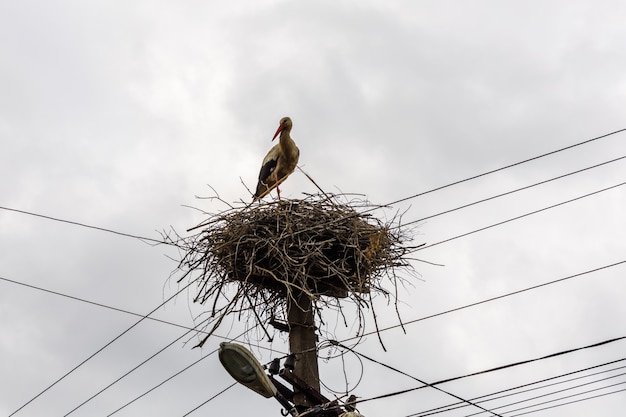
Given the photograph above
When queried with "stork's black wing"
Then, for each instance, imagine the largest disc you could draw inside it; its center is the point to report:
(266, 182)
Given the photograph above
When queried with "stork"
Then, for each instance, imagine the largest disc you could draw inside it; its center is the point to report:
(279, 162)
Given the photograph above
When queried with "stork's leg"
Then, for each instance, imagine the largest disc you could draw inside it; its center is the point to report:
(277, 189)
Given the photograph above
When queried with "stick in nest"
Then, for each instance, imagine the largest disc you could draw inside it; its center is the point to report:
(321, 247)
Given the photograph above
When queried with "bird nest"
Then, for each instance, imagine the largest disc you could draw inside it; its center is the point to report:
(254, 258)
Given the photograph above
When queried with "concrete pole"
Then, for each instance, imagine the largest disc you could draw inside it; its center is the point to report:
(302, 338)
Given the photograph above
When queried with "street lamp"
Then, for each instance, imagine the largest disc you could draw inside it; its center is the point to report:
(246, 369)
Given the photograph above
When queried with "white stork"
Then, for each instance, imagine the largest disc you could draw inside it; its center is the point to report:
(279, 162)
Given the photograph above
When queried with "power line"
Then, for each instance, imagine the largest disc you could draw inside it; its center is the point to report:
(505, 167)
(121, 310)
(527, 361)
(536, 397)
(570, 402)
(497, 368)
(475, 177)
(211, 399)
(484, 301)
(82, 300)
(162, 242)
(102, 229)
(135, 368)
(481, 302)
(468, 402)
(434, 244)
(560, 399)
(161, 383)
(101, 349)
(518, 389)
(522, 216)
(513, 191)
(488, 300)
(134, 314)
(156, 241)
(177, 374)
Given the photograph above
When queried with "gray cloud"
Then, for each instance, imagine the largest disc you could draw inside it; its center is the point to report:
(116, 115)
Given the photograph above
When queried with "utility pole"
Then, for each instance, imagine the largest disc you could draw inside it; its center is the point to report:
(302, 342)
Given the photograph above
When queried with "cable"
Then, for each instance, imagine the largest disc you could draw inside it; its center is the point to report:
(505, 167)
(434, 244)
(488, 300)
(467, 179)
(560, 399)
(415, 379)
(102, 348)
(161, 383)
(211, 399)
(156, 241)
(498, 368)
(404, 199)
(130, 313)
(521, 216)
(121, 310)
(509, 391)
(570, 402)
(505, 295)
(389, 204)
(528, 400)
(149, 359)
(176, 374)
(135, 368)
(147, 239)
(513, 191)
(524, 362)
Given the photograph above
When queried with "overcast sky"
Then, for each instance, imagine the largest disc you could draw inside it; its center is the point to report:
(118, 114)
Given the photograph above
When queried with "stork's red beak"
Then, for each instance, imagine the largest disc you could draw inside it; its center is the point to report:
(278, 131)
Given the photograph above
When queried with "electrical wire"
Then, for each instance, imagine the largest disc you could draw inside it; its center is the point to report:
(505, 167)
(530, 399)
(502, 296)
(466, 306)
(83, 300)
(513, 191)
(491, 172)
(161, 383)
(527, 400)
(497, 368)
(348, 390)
(569, 402)
(156, 241)
(520, 389)
(135, 368)
(561, 398)
(102, 348)
(418, 380)
(102, 229)
(189, 329)
(370, 209)
(395, 202)
(210, 399)
(148, 239)
(487, 300)
(428, 246)
(521, 216)
(121, 310)
(176, 374)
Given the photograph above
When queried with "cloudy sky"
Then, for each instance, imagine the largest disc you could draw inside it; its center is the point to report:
(117, 115)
